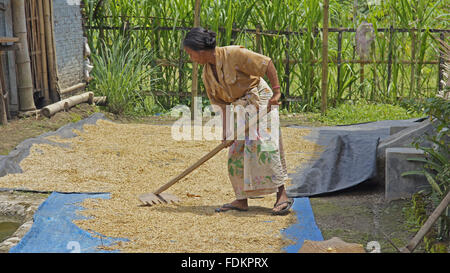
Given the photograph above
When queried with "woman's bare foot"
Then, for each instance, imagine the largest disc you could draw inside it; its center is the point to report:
(241, 205)
(283, 201)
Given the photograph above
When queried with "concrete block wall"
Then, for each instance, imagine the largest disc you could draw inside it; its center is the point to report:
(69, 42)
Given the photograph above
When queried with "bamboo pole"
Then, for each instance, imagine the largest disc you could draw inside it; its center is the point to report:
(389, 68)
(195, 65)
(180, 69)
(102, 101)
(43, 52)
(4, 87)
(66, 104)
(24, 79)
(339, 56)
(3, 116)
(427, 225)
(441, 65)
(413, 67)
(324, 58)
(287, 71)
(73, 88)
(50, 51)
(258, 39)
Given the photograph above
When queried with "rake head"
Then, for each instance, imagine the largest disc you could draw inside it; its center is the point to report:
(151, 199)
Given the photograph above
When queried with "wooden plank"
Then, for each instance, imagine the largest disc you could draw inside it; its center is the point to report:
(9, 40)
(13, 47)
(5, 89)
(13, 96)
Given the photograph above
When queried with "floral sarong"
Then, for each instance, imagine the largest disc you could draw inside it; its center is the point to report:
(257, 166)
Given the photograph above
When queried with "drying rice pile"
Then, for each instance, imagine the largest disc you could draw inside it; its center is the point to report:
(130, 159)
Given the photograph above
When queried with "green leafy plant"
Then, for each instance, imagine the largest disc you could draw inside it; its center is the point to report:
(121, 71)
(436, 159)
(436, 162)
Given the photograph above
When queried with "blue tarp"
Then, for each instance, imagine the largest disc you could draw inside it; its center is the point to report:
(53, 230)
(305, 228)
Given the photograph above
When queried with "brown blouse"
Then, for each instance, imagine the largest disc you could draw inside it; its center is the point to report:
(238, 71)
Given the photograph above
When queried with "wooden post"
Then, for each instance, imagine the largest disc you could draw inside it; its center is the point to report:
(180, 69)
(361, 76)
(441, 65)
(3, 103)
(51, 60)
(389, 68)
(374, 72)
(287, 70)
(325, 58)
(355, 21)
(43, 52)
(4, 88)
(194, 90)
(258, 39)
(339, 54)
(413, 67)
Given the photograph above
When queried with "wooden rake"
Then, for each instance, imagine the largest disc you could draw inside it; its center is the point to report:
(160, 197)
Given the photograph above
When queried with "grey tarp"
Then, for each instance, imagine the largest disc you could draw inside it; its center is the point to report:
(349, 157)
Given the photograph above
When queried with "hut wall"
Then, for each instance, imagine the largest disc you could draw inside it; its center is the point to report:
(8, 59)
(69, 42)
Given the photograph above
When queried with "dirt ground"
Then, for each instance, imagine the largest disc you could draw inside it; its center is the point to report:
(357, 215)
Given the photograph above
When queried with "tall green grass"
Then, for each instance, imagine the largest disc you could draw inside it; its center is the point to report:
(222, 16)
(121, 73)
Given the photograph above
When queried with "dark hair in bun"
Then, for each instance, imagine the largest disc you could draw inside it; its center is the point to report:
(200, 39)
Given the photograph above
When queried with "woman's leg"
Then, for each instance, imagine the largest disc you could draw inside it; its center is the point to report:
(236, 174)
(282, 198)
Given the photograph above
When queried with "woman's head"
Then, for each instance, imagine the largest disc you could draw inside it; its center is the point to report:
(198, 43)
(200, 39)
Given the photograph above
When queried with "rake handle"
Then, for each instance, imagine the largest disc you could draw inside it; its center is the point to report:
(194, 166)
(204, 159)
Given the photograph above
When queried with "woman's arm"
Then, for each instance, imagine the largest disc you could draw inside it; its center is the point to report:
(226, 131)
(273, 79)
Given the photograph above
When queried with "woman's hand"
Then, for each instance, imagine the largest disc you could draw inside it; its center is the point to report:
(225, 127)
(224, 139)
(274, 101)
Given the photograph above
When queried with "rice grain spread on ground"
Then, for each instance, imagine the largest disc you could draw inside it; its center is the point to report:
(127, 160)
